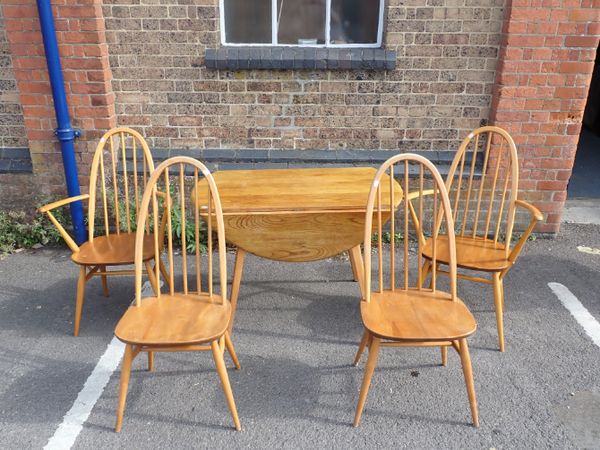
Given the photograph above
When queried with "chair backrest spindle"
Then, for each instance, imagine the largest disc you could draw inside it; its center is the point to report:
(175, 216)
(125, 181)
(433, 216)
(116, 167)
(495, 180)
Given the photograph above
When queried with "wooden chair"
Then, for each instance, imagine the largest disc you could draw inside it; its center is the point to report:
(194, 317)
(399, 311)
(120, 168)
(483, 185)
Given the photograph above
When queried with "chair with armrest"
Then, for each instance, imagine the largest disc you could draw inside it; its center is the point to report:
(396, 310)
(483, 184)
(121, 165)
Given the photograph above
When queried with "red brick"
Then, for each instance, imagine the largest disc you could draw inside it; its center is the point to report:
(593, 28)
(574, 129)
(18, 12)
(552, 222)
(571, 92)
(76, 11)
(545, 28)
(551, 185)
(559, 196)
(583, 15)
(553, 41)
(525, 40)
(530, 14)
(581, 41)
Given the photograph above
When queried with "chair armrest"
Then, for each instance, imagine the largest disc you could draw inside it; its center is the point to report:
(535, 213)
(411, 196)
(536, 216)
(416, 194)
(64, 201)
(48, 210)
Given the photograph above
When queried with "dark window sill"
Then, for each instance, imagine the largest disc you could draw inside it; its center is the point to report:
(299, 58)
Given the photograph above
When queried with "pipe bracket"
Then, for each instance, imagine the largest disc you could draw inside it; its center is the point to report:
(67, 134)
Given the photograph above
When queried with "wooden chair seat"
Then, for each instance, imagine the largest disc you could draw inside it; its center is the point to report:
(471, 253)
(417, 315)
(177, 319)
(112, 250)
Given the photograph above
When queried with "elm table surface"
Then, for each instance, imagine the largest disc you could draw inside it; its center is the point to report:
(295, 215)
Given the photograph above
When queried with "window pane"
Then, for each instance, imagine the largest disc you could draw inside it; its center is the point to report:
(354, 21)
(247, 21)
(301, 21)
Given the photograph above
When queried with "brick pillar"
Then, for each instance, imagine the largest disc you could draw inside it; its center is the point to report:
(543, 76)
(84, 56)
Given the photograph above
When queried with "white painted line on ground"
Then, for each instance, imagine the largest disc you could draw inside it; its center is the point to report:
(577, 310)
(72, 423)
(590, 250)
(71, 426)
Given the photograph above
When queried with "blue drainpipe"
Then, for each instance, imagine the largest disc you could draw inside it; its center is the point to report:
(65, 132)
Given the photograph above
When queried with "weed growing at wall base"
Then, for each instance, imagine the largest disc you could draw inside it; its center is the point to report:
(17, 230)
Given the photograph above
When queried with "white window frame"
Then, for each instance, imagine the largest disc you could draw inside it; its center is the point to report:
(274, 29)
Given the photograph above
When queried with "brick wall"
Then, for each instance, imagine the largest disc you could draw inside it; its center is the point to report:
(440, 90)
(12, 129)
(525, 66)
(546, 64)
(80, 34)
(13, 187)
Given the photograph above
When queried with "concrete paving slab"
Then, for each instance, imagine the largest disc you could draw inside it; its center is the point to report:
(586, 211)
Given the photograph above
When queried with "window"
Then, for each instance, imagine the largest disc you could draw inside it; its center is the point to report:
(312, 23)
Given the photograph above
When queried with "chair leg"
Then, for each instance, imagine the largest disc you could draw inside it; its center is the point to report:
(152, 277)
(499, 301)
(79, 302)
(150, 361)
(125, 372)
(361, 347)
(164, 273)
(235, 284)
(353, 265)
(222, 371)
(104, 281)
(444, 350)
(231, 350)
(437, 268)
(369, 369)
(465, 359)
(425, 271)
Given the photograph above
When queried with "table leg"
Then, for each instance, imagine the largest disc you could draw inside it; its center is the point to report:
(358, 267)
(235, 283)
(353, 265)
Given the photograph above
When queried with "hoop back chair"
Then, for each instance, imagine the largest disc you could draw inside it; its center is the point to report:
(396, 310)
(192, 315)
(483, 185)
(121, 165)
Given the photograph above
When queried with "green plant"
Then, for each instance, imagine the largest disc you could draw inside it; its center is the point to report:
(17, 230)
(190, 232)
(176, 223)
(387, 237)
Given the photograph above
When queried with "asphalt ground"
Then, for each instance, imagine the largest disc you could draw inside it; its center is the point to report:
(296, 333)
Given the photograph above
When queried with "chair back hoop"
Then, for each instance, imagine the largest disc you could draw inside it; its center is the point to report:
(162, 207)
(121, 167)
(430, 217)
(481, 201)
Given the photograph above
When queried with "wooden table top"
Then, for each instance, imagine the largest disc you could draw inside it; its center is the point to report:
(295, 214)
(295, 190)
